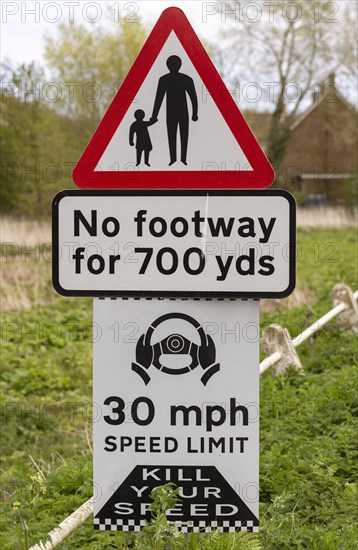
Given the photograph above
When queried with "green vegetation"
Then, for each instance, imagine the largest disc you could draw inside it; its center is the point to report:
(48, 114)
(308, 491)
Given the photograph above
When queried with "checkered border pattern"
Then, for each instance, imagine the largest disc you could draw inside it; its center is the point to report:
(183, 526)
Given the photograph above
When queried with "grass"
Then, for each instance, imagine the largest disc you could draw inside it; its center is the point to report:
(308, 491)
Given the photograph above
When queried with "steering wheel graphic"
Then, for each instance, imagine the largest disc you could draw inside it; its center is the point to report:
(148, 354)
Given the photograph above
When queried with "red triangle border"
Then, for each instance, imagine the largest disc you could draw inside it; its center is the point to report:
(262, 175)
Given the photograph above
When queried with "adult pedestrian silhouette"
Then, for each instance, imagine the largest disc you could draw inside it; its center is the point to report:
(175, 86)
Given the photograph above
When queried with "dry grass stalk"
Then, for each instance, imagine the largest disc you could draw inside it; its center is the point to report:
(33, 232)
(326, 217)
(299, 297)
(18, 231)
(24, 284)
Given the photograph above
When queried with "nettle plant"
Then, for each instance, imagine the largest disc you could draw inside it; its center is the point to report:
(159, 534)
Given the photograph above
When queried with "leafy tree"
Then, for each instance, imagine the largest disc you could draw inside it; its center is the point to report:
(289, 49)
(32, 142)
(89, 67)
(48, 116)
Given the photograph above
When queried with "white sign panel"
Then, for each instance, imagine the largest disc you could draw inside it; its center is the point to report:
(176, 393)
(224, 244)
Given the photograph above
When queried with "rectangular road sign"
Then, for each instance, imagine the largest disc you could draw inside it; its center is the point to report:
(174, 243)
(176, 399)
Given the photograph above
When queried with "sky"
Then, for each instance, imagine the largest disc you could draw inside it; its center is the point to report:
(25, 23)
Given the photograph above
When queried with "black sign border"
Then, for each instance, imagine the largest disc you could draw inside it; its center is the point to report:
(173, 193)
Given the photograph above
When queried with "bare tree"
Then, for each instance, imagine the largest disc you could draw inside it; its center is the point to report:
(288, 48)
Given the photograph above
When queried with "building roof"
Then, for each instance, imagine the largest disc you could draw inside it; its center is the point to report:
(325, 91)
(260, 122)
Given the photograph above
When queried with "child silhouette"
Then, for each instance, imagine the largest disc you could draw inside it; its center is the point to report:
(140, 129)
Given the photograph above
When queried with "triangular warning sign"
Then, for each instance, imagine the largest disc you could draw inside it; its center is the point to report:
(173, 123)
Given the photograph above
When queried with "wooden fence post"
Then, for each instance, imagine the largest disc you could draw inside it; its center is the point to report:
(277, 339)
(348, 319)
